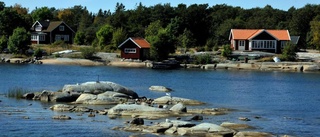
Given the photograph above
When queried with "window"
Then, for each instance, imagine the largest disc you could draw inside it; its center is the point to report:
(34, 37)
(61, 28)
(38, 28)
(263, 44)
(283, 43)
(42, 37)
(130, 50)
(58, 37)
(242, 43)
(66, 37)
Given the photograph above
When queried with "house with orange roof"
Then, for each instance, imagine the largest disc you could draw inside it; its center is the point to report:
(47, 32)
(259, 40)
(135, 48)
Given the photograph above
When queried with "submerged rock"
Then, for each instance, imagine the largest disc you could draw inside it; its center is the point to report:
(63, 107)
(61, 117)
(253, 134)
(236, 126)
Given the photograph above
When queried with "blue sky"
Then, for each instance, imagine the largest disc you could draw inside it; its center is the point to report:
(95, 5)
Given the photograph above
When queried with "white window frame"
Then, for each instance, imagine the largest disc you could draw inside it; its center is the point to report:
(38, 28)
(283, 43)
(61, 28)
(34, 37)
(242, 43)
(130, 50)
(66, 37)
(42, 38)
(263, 44)
(57, 37)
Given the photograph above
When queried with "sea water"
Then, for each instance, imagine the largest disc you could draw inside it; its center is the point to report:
(286, 103)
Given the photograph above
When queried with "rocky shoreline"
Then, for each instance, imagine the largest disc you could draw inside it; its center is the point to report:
(167, 115)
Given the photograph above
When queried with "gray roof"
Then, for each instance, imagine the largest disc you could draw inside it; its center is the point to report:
(295, 39)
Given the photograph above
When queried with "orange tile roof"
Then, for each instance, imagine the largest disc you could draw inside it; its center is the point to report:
(141, 42)
(245, 34)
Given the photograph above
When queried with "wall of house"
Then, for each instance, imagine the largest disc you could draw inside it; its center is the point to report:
(66, 31)
(130, 44)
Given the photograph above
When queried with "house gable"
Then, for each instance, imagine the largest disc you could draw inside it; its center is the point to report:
(139, 42)
(264, 35)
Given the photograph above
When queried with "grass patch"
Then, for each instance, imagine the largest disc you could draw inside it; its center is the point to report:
(17, 92)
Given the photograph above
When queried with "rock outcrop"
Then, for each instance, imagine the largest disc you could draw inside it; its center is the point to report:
(160, 88)
(138, 110)
(175, 100)
(98, 88)
(106, 98)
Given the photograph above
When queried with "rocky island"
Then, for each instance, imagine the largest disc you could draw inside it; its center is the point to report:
(165, 115)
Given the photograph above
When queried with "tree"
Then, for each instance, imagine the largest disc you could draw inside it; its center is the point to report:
(9, 20)
(41, 14)
(186, 40)
(289, 52)
(3, 42)
(315, 32)
(79, 38)
(19, 41)
(104, 35)
(67, 16)
(160, 40)
(118, 36)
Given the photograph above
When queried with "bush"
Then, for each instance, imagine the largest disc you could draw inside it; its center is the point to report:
(38, 53)
(87, 52)
(289, 52)
(226, 50)
(17, 92)
(216, 48)
(202, 59)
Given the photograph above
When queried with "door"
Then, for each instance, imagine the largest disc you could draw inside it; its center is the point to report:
(242, 45)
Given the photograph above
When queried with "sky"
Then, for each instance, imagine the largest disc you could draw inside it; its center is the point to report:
(94, 5)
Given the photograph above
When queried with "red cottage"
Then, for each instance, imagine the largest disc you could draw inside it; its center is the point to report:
(135, 48)
(259, 39)
(47, 32)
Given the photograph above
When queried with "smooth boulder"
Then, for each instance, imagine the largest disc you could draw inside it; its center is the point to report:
(106, 98)
(175, 100)
(98, 88)
(139, 110)
(160, 88)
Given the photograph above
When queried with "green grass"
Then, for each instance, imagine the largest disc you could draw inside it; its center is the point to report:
(17, 92)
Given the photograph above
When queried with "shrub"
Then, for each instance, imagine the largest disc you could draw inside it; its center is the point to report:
(38, 53)
(87, 52)
(202, 59)
(226, 50)
(289, 52)
(17, 92)
(216, 48)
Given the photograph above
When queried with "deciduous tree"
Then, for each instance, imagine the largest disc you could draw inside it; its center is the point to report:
(19, 41)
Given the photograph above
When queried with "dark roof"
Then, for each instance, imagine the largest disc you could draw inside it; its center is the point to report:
(295, 39)
(48, 26)
(53, 25)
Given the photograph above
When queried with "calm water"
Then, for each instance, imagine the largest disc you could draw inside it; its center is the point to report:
(288, 103)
